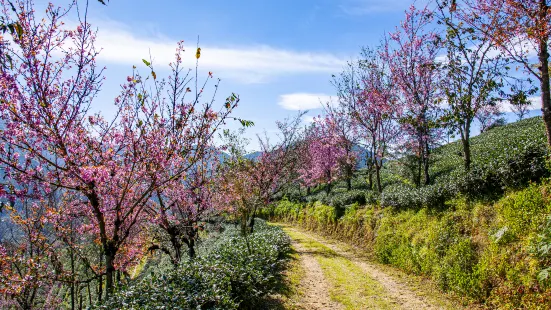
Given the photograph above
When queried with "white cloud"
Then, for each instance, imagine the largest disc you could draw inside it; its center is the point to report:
(535, 104)
(303, 101)
(247, 64)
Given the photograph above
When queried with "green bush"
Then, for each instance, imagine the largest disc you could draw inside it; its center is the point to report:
(233, 271)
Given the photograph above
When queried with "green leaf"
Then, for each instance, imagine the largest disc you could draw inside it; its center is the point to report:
(245, 123)
(19, 30)
(147, 63)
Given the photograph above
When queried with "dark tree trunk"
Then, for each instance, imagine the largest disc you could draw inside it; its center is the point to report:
(72, 278)
(370, 178)
(177, 245)
(544, 82)
(419, 170)
(100, 281)
(191, 242)
(328, 187)
(251, 223)
(118, 283)
(308, 191)
(349, 174)
(378, 175)
(191, 249)
(426, 163)
(465, 139)
(109, 269)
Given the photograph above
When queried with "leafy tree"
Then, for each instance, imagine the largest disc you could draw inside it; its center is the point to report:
(474, 74)
(518, 28)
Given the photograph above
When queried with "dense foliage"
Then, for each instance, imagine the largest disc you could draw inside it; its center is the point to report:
(232, 271)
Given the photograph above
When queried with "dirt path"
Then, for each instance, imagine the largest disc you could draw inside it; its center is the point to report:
(314, 287)
(336, 278)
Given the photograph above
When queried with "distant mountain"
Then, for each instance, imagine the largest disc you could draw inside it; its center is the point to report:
(363, 154)
(253, 155)
(222, 157)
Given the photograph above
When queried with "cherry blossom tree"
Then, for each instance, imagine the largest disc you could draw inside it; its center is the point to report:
(372, 105)
(411, 52)
(186, 204)
(325, 154)
(345, 127)
(112, 167)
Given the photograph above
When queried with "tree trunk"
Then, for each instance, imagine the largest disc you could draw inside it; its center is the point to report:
(328, 187)
(370, 178)
(119, 280)
(72, 256)
(177, 247)
(308, 191)
(419, 169)
(100, 281)
(466, 141)
(378, 175)
(191, 233)
(109, 269)
(191, 249)
(426, 154)
(251, 223)
(467, 154)
(545, 91)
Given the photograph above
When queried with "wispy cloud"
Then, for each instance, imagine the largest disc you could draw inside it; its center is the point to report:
(247, 64)
(303, 101)
(363, 7)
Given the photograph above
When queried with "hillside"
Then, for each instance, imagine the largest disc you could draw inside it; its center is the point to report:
(505, 157)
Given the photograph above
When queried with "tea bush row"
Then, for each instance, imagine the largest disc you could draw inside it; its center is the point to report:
(232, 272)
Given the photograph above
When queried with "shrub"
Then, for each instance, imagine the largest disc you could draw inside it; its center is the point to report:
(233, 271)
(340, 200)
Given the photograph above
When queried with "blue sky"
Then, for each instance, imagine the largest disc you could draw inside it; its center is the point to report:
(277, 55)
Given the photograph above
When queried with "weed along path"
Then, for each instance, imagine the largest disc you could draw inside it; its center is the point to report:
(332, 277)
